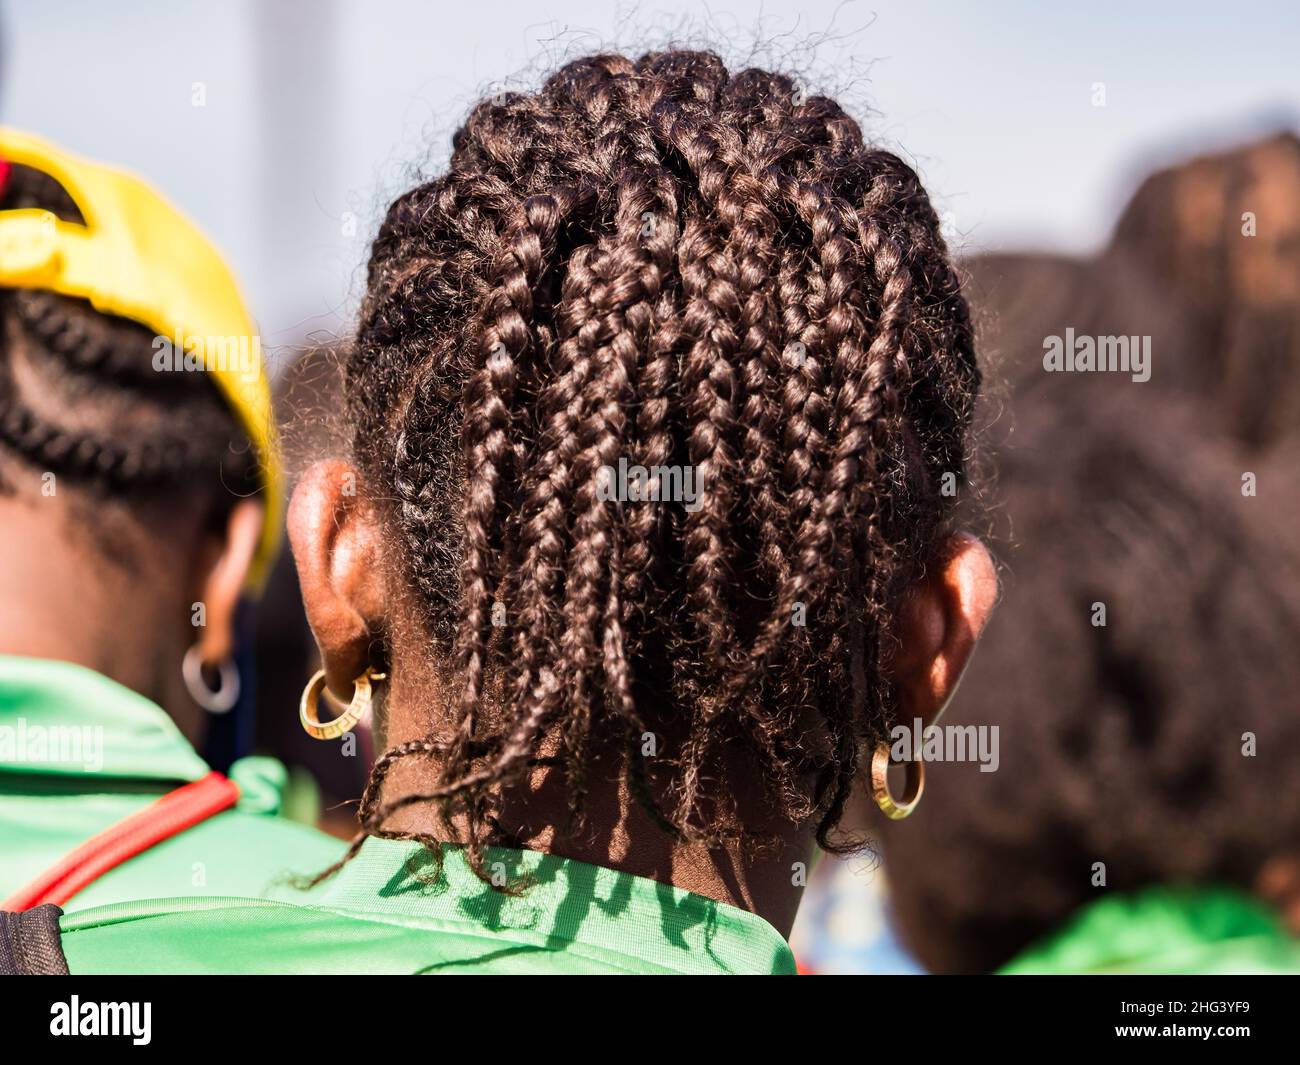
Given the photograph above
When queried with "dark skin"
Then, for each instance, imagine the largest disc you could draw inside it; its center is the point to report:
(129, 591)
(356, 604)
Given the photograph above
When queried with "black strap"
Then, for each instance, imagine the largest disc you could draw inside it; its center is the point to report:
(31, 944)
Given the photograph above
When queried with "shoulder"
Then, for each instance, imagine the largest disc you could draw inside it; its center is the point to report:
(216, 935)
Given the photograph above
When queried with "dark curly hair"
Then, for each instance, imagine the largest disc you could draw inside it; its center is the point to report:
(1162, 743)
(659, 261)
(79, 397)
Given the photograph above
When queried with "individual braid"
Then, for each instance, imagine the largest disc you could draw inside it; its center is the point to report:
(657, 261)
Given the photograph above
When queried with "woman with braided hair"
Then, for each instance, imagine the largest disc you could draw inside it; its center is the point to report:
(137, 507)
(617, 726)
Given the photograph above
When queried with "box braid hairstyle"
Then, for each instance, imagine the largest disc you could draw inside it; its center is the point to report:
(659, 261)
(79, 397)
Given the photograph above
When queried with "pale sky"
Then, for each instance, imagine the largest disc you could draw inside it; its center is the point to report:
(316, 112)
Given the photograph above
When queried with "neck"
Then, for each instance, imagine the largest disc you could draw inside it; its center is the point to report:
(618, 832)
(61, 599)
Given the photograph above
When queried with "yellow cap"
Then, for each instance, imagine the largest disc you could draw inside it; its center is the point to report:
(137, 257)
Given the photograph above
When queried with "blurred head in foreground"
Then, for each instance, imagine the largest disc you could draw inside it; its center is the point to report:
(1142, 674)
(129, 493)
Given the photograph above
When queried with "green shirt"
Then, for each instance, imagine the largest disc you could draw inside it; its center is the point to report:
(1167, 930)
(387, 912)
(79, 752)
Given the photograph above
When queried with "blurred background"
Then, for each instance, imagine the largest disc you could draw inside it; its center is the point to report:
(1093, 168)
(286, 127)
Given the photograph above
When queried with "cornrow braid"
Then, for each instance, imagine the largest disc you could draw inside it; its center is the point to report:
(656, 261)
(138, 431)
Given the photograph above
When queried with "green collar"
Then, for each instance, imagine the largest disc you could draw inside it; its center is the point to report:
(61, 719)
(1167, 930)
(567, 906)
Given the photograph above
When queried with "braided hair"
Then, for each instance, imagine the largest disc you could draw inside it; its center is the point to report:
(658, 261)
(79, 397)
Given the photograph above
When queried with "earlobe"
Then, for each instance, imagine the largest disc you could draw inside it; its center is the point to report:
(939, 625)
(336, 548)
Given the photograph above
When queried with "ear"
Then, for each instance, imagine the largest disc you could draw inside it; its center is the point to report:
(223, 573)
(939, 624)
(337, 548)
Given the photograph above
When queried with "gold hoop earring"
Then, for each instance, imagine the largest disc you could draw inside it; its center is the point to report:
(895, 809)
(362, 694)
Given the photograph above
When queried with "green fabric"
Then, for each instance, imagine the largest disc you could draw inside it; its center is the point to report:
(1164, 931)
(386, 912)
(79, 752)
